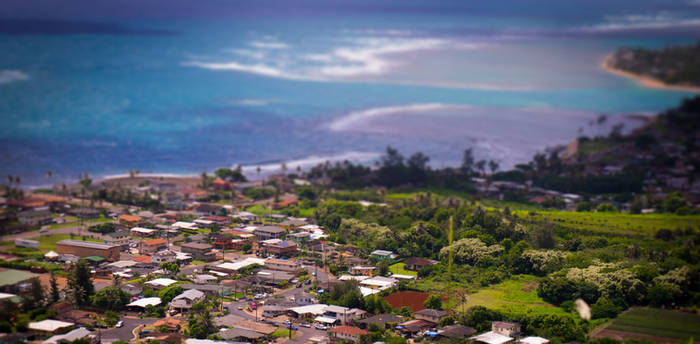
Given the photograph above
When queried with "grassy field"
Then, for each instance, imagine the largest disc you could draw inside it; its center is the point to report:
(517, 295)
(73, 222)
(615, 222)
(658, 322)
(282, 333)
(398, 269)
(48, 242)
(260, 210)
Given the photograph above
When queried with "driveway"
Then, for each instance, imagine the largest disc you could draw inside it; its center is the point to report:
(125, 332)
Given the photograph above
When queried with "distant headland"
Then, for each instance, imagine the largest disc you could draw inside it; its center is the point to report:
(674, 68)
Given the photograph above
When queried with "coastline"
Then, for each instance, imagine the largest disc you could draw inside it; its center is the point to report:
(645, 80)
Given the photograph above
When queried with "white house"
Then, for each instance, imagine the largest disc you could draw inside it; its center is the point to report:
(184, 301)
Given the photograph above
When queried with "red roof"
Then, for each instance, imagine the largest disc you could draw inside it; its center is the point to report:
(130, 218)
(142, 259)
(154, 242)
(413, 299)
(348, 330)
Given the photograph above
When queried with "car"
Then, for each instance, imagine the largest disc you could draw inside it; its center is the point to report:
(308, 281)
(320, 327)
(293, 328)
(299, 285)
(307, 325)
(313, 273)
(119, 324)
(240, 308)
(287, 322)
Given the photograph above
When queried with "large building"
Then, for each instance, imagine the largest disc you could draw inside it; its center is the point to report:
(283, 265)
(280, 248)
(86, 249)
(199, 251)
(153, 246)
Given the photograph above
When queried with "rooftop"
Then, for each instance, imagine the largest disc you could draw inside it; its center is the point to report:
(86, 244)
(49, 325)
(270, 229)
(348, 330)
(491, 338)
(12, 276)
(197, 246)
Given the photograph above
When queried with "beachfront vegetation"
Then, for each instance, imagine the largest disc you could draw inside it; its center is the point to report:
(675, 65)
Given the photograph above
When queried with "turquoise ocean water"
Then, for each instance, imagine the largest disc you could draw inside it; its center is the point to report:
(184, 87)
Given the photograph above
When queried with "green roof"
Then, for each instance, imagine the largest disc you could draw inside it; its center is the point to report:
(12, 277)
(95, 258)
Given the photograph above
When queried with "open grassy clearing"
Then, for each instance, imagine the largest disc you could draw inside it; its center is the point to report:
(399, 269)
(658, 322)
(48, 242)
(517, 295)
(615, 222)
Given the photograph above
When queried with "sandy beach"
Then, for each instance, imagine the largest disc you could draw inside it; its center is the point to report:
(645, 80)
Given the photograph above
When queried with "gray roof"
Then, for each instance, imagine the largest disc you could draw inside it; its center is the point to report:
(382, 319)
(86, 244)
(270, 229)
(197, 246)
(234, 333)
(432, 313)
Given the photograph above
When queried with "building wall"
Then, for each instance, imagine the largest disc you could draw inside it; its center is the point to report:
(111, 254)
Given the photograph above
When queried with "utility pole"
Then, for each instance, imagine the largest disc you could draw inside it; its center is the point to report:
(449, 266)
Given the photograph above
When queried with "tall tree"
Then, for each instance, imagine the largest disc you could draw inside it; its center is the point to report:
(55, 294)
(467, 166)
(80, 284)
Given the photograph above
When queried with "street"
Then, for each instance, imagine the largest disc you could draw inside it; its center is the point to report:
(124, 332)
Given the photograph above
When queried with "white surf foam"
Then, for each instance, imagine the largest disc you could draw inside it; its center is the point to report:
(660, 20)
(8, 76)
(356, 117)
(310, 161)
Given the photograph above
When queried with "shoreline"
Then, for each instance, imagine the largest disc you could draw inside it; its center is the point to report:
(645, 80)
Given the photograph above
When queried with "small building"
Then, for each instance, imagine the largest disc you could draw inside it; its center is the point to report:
(84, 213)
(381, 320)
(50, 326)
(281, 248)
(417, 263)
(184, 301)
(129, 220)
(506, 328)
(70, 337)
(160, 283)
(342, 334)
(164, 256)
(34, 217)
(144, 232)
(26, 243)
(456, 331)
(292, 223)
(153, 246)
(382, 254)
(143, 303)
(207, 209)
(86, 249)
(283, 265)
(269, 232)
(118, 238)
(221, 184)
(12, 281)
(199, 251)
(302, 299)
(361, 270)
(414, 326)
(432, 315)
(491, 337)
(300, 237)
(533, 340)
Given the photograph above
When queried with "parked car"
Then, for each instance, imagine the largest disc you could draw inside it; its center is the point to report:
(119, 324)
(320, 327)
(293, 328)
(287, 322)
(240, 308)
(307, 325)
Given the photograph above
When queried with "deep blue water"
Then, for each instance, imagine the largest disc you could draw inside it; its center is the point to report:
(185, 87)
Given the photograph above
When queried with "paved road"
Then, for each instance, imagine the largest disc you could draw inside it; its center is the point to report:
(125, 332)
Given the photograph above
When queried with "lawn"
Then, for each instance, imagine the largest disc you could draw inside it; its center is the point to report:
(260, 210)
(658, 322)
(282, 333)
(48, 242)
(517, 295)
(73, 222)
(398, 269)
(615, 222)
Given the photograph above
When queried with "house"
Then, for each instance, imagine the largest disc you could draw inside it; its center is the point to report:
(292, 223)
(456, 331)
(160, 283)
(12, 280)
(118, 238)
(209, 289)
(343, 334)
(432, 315)
(34, 217)
(412, 327)
(303, 299)
(141, 304)
(87, 248)
(129, 220)
(50, 326)
(192, 194)
(241, 335)
(361, 270)
(506, 328)
(153, 246)
(164, 256)
(381, 320)
(491, 337)
(132, 289)
(269, 232)
(84, 213)
(283, 265)
(184, 301)
(144, 232)
(417, 263)
(533, 340)
(70, 337)
(173, 325)
(199, 251)
(207, 209)
(343, 314)
(382, 254)
(300, 237)
(221, 184)
(281, 248)
(223, 242)
(378, 283)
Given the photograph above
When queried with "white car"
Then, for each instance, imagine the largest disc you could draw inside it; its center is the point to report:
(119, 324)
(321, 327)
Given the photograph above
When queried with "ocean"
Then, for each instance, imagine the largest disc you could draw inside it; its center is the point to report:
(183, 87)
